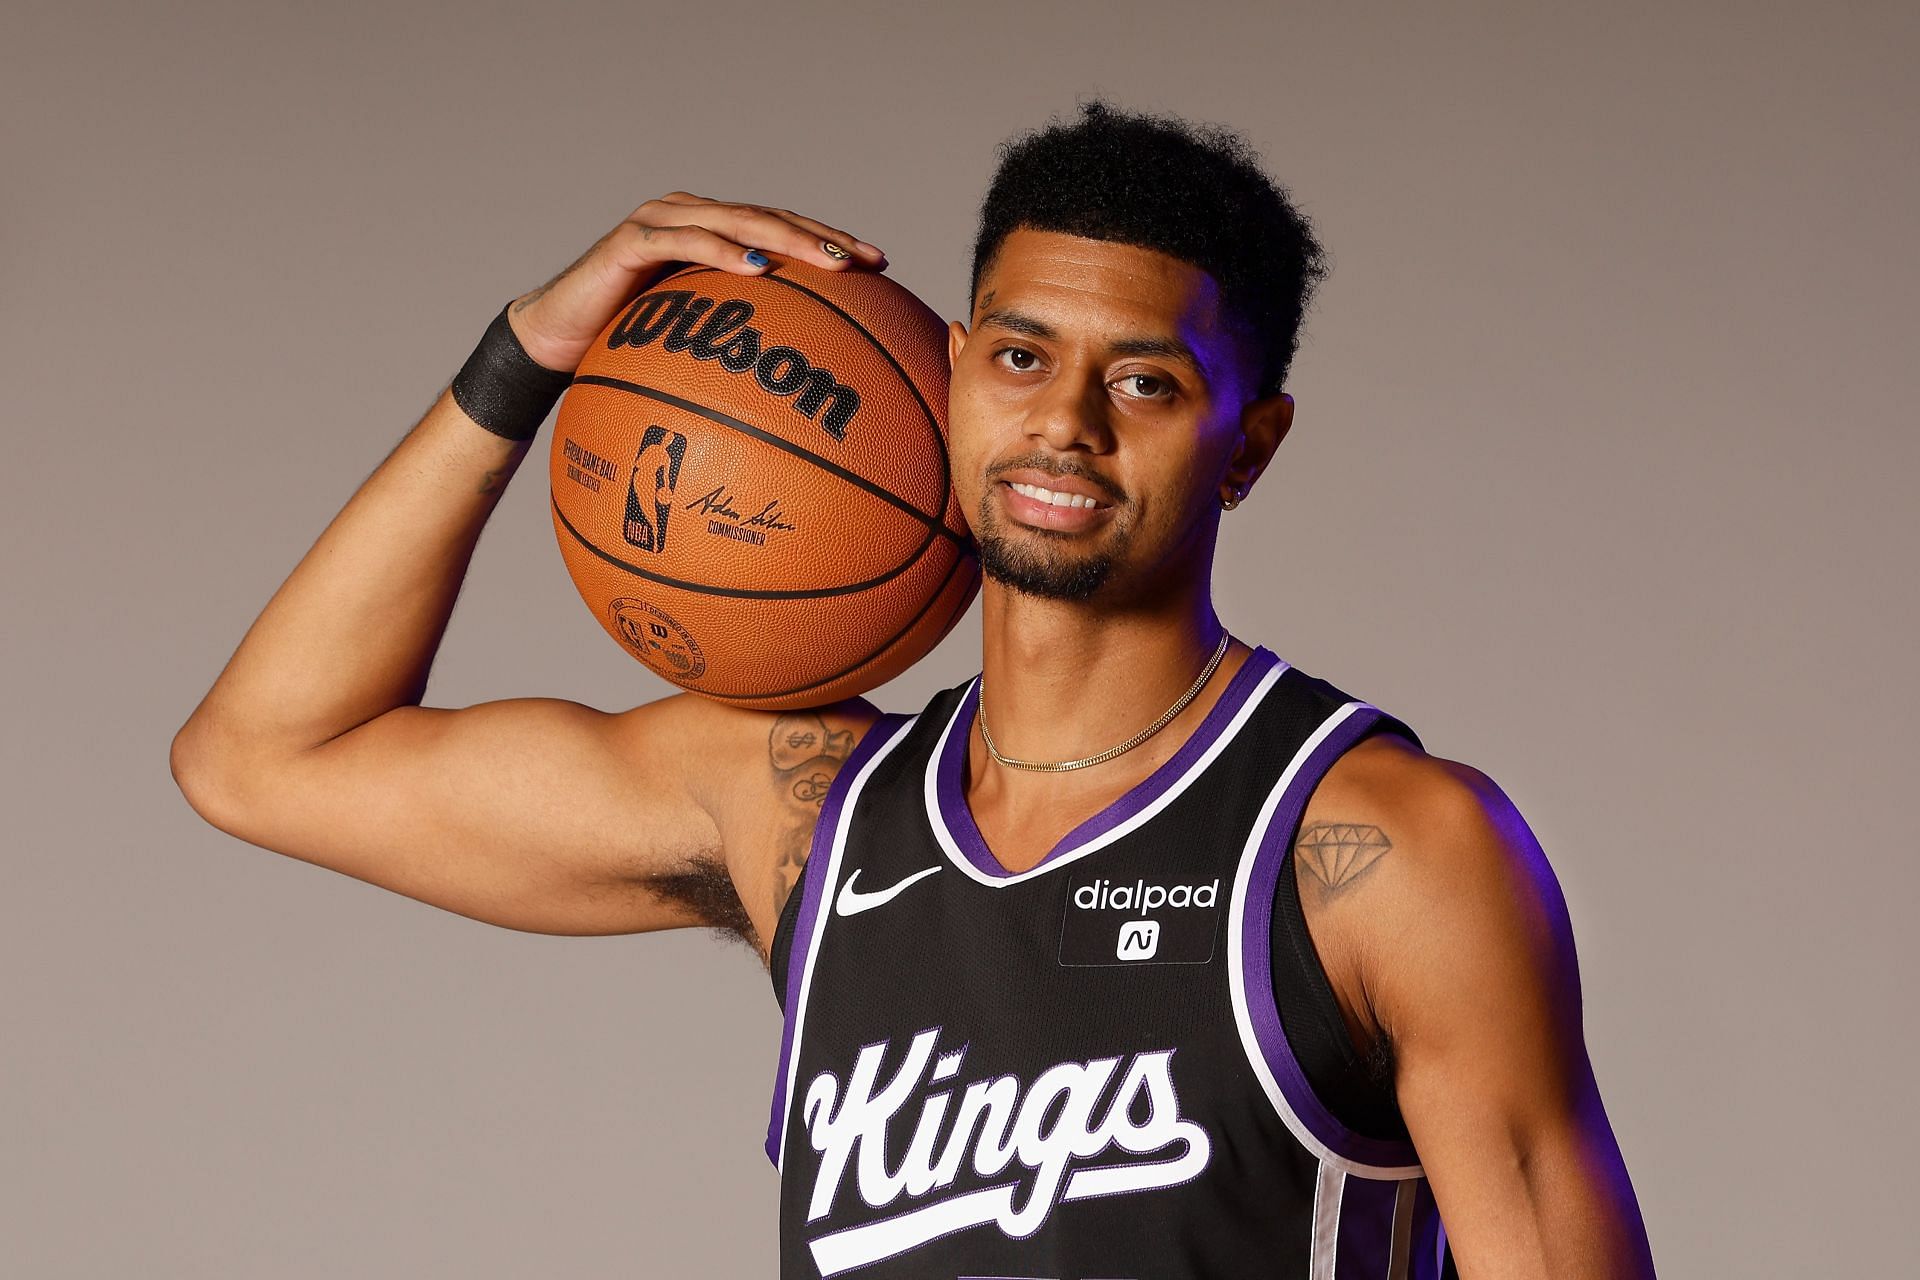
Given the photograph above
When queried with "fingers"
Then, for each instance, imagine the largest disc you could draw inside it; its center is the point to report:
(870, 254)
(557, 322)
(761, 227)
(639, 246)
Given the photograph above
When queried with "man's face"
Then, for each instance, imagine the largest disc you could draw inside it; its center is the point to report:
(1103, 371)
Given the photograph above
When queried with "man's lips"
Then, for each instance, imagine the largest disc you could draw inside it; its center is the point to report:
(1039, 513)
(1058, 484)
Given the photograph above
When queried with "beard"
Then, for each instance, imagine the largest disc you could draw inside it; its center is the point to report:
(1043, 562)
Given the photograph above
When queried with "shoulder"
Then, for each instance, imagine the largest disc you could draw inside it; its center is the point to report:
(1458, 824)
(725, 753)
(723, 738)
(1425, 870)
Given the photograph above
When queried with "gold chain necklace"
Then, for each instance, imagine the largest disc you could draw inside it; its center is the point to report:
(1061, 766)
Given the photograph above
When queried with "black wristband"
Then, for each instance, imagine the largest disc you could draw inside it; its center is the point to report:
(503, 388)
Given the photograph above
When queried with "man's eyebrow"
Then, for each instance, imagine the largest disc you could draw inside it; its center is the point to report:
(1034, 327)
(1019, 322)
(1165, 348)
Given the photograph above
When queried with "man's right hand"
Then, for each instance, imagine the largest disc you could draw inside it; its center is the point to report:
(557, 322)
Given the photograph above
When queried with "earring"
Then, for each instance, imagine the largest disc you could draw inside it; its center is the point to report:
(1228, 504)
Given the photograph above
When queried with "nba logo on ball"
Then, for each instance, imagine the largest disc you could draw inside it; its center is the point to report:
(1139, 939)
(646, 514)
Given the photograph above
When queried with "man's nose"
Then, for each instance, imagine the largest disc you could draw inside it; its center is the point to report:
(1072, 413)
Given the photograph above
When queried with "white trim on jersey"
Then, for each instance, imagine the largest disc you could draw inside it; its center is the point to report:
(944, 836)
(1400, 1252)
(1329, 1184)
(1237, 975)
(824, 913)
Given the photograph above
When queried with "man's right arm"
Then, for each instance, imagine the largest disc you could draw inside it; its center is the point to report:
(532, 813)
(545, 815)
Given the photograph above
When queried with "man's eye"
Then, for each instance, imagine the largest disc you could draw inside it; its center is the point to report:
(1155, 389)
(1017, 352)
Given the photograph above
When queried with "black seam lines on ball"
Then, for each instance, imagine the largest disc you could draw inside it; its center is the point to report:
(879, 653)
(933, 423)
(745, 593)
(934, 524)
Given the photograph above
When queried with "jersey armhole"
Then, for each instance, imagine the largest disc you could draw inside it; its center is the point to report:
(779, 956)
(1310, 1017)
(797, 933)
(780, 951)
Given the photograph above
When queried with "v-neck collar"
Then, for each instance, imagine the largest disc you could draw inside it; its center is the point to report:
(959, 835)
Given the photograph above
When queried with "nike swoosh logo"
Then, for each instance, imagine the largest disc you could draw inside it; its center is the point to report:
(852, 902)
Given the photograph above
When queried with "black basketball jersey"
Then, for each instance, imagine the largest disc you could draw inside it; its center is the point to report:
(1079, 1070)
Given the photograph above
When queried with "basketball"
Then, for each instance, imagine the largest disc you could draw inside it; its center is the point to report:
(751, 487)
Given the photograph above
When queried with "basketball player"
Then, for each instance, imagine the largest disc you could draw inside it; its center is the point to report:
(1142, 954)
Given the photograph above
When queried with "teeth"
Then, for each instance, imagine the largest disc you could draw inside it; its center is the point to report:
(1048, 495)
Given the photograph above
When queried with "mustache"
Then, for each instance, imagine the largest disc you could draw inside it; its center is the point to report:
(1054, 466)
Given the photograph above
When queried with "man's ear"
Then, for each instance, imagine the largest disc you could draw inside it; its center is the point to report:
(956, 339)
(1264, 423)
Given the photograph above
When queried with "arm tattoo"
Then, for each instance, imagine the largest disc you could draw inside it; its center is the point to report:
(1339, 853)
(805, 755)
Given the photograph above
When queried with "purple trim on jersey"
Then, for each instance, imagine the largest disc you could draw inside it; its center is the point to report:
(1429, 1260)
(1257, 952)
(1365, 1243)
(953, 802)
(812, 888)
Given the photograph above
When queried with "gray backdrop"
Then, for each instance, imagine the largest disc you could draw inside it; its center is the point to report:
(1602, 479)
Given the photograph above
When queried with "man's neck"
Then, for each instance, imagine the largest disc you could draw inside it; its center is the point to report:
(1067, 680)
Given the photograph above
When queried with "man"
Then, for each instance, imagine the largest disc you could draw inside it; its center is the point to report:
(1144, 954)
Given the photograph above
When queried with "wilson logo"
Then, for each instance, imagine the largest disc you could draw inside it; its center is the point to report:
(1056, 1129)
(683, 320)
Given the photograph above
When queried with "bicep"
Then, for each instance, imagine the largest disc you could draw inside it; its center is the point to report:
(531, 813)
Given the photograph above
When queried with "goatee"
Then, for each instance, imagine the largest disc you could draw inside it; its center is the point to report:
(1029, 565)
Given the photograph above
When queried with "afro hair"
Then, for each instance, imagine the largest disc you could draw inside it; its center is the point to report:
(1191, 191)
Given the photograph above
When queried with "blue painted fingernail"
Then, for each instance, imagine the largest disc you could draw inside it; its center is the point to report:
(756, 257)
